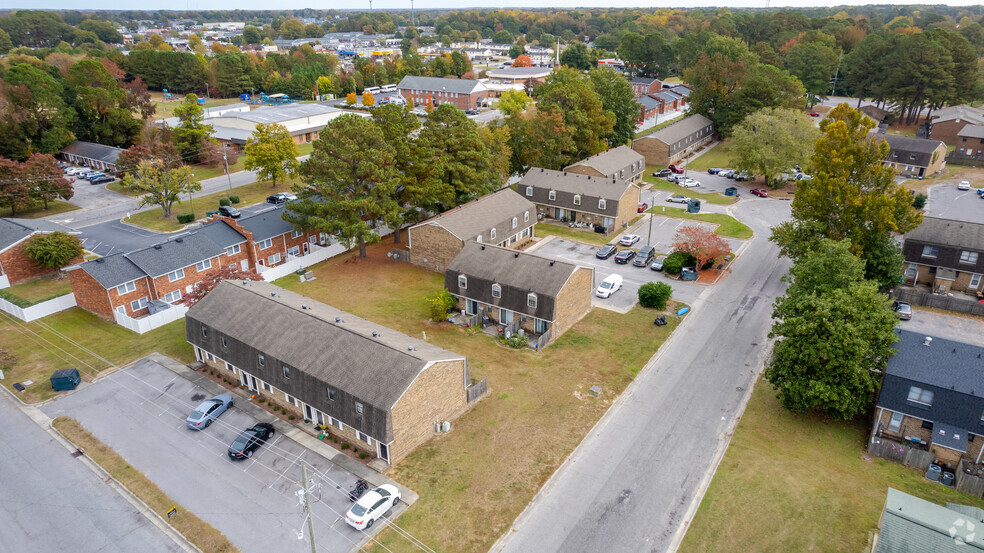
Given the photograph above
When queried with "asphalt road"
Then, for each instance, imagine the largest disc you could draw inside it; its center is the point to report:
(140, 413)
(634, 482)
(946, 201)
(51, 502)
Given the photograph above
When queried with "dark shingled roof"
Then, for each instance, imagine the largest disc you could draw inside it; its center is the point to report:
(947, 232)
(469, 220)
(905, 146)
(177, 253)
(575, 183)
(112, 270)
(342, 354)
(914, 525)
(679, 130)
(91, 150)
(13, 231)
(612, 161)
(221, 233)
(266, 224)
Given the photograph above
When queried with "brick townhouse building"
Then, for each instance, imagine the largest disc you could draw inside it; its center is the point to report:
(370, 385)
(945, 254)
(463, 93)
(15, 234)
(949, 121)
(642, 86)
(621, 162)
(676, 141)
(604, 203)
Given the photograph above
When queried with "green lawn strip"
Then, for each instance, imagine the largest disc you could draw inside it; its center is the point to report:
(727, 225)
(800, 483)
(718, 156)
(117, 186)
(711, 197)
(194, 529)
(248, 194)
(203, 172)
(38, 290)
(34, 347)
(580, 235)
(37, 211)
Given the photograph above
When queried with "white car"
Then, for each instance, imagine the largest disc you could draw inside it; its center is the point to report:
(629, 239)
(964, 185)
(688, 183)
(678, 199)
(372, 506)
(609, 286)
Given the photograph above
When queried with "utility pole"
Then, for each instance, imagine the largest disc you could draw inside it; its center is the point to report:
(226, 160)
(413, 20)
(307, 506)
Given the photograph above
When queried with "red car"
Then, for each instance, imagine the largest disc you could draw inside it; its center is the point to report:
(643, 206)
(761, 193)
(814, 114)
(675, 169)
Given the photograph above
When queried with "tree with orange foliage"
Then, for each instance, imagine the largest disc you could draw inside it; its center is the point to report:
(350, 98)
(522, 61)
(368, 99)
(212, 279)
(701, 243)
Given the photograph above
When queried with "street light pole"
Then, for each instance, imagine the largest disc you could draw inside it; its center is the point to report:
(191, 196)
(652, 199)
(307, 507)
(226, 160)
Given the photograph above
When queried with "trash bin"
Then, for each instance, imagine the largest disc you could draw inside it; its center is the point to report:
(693, 206)
(65, 379)
(731, 191)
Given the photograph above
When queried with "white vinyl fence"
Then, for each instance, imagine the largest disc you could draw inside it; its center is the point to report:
(39, 310)
(150, 322)
(4, 282)
(293, 264)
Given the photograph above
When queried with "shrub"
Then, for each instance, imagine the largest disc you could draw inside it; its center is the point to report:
(16, 300)
(185, 218)
(676, 261)
(345, 446)
(223, 201)
(234, 199)
(261, 400)
(515, 341)
(919, 201)
(362, 455)
(654, 295)
(54, 250)
(441, 304)
(292, 417)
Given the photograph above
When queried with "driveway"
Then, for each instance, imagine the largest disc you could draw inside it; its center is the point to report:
(50, 501)
(140, 413)
(946, 202)
(960, 328)
(94, 196)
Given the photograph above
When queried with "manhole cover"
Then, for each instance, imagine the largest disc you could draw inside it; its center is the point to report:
(197, 397)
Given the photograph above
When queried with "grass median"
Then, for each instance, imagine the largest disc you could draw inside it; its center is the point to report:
(800, 483)
(711, 198)
(727, 225)
(475, 480)
(55, 207)
(718, 156)
(194, 529)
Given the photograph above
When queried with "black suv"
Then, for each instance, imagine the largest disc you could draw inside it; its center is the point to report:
(250, 439)
(644, 257)
(229, 211)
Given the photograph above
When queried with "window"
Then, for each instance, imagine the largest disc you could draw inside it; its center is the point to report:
(552, 195)
(296, 233)
(896, 423)
(126, 288)
(204, 331)
(233, 250)
(492, 234)
(268, 243)
(172, 297)
(621, 174)
(601, 204)
(515, 222)
(930, 251)
(359, 408)
(531, 300)
(331, 394)
(273, 259)
(526, 217)
(295, 251)
(203, 265)
(286, 371)
(462, 281)
(176, 275)
(266, 386)
(260, 359)
(968, 257)
(365, 438)
(479, 239)
(975, 282)
(137, 305)
(529, 191)
(496, 291)
(335, 422)
(919, 395)
(225, 344)
(577, 199)
(912, 157)
(911, 271)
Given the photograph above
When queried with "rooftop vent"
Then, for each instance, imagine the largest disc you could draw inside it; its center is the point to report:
(157, 246)
(273, 294)
(551, 263)
(483, 247)
(565, 173)
(245, 282)
(409, 348)
(928, 341)
(303, 306)
(516, 254)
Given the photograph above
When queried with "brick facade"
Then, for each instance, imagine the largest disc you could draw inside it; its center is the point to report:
(655, 151)
(948, 131)
(628, 208)
(419, 98)
(438, 394)
(432, 246)
(574, 301)
(18, 267)
(917, 428)
(90, 295)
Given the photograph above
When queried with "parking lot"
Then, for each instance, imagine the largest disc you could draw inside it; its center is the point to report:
(140, 413)
(947, 202)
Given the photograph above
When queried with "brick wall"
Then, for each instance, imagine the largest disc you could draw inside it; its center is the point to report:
(143, 290)
(462, 101)
(628, 207)
(573, 301)
(18, 267)
(655, 152)
(912, 426)
(435, 244)
(163, 286)
(437, 394)
(89, 294)
(947, 132)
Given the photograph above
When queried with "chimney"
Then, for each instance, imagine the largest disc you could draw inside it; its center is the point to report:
(928, 341)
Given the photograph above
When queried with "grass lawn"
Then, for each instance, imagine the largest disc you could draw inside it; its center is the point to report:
(166, 109)
(31, 357)
(196, 530)
(54, 208)
(718, 156)
(249, 194)
(581, 235)
(727, 225)
(41, 289)
(711, 198)
(800, 483)
(117, 186)
(474, 481)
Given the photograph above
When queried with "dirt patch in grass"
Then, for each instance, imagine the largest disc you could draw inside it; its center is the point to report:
(194, 529)
(166, 109)
(41, 289)
(806, 479)
(65, 339)
(54, 208)
(474, 481)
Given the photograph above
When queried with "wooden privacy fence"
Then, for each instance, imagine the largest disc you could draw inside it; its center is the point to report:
(968, 480)
(478, 390)
(905, 454)
(938, 301)
(401, 255)
(542, 340)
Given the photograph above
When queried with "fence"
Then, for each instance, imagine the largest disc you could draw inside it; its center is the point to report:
(958, 159)
(150, 322)
(542, 339)
(296, 263)
(938, 301)
(401, 255)
(478, 390)
(39, 310)
(4, 282)
(967, 479)
(905, 454)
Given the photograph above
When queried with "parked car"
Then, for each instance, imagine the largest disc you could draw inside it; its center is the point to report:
(280, 197)
(657, 264)
(760, 192)
(799, 175)
(675, 169)
(674, 178)
(644, 257)
(101, 180)
(371, 506)
(229, 211)
(688, 183)
(89, 174)
(624, 256)
(903, 310)
(662, 173)
(727, 173)
(628, 239)
(609, 286)
(251, 438)
(678, 199)
(814, 114)
(643, 206)
(208, 411)
(606, 251)
(714, 170)
(743, 176)
(964, 185)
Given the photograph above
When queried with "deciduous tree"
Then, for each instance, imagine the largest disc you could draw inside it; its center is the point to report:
(514, 101)
(45, 179)
(770, 141)
(618, 98)
(571, 94)
(53, 250)
(522, 61)
(271, 152)
(161, 185)
(14, 192)
(207, 282)
(191, 131)
(702, 244)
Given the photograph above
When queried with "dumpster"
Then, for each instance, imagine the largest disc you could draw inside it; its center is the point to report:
(65, 379)
(693, 206)
(731, 191)
(688, 273)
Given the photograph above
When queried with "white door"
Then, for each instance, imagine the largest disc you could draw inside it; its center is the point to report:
(245, 264)
(307, 248)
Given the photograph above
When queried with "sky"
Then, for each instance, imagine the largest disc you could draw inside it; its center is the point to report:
(426, 4)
